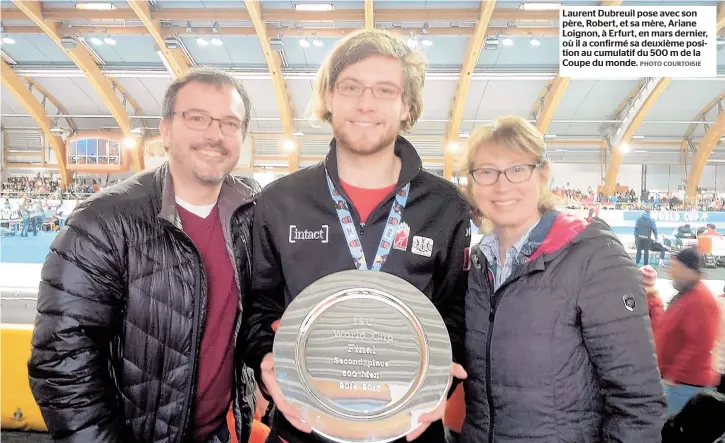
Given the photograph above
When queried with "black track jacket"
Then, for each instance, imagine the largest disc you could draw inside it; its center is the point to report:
(297, 239)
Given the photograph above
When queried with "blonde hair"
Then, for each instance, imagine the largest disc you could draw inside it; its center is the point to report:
(507, 132)
(359, 45)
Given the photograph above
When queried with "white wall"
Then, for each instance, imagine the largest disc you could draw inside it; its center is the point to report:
(578, 175)
(630, 176)
(669, 177)
(665, 178)
(584, 175)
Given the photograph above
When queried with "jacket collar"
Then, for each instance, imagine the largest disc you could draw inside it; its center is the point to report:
(233, 195)
(411, 162)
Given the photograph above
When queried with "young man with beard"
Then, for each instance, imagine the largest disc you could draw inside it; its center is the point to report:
(368, 89)
(139, 308)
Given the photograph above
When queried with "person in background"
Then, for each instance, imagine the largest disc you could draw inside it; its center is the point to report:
(654, 302)
(712, 231)
(685, 336)
(558, 342)
(719, 351)
(371, 183)
(644, 228)
(137, 337)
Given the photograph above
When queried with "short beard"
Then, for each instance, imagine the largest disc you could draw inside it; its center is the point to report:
(203, 177)
(343, 142)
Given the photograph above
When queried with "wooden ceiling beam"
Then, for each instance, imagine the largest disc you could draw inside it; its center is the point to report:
(68, 31)
(473, 51)
(704, 150)
(26, 98)
(84, 60)
(369, 14)
(61, 109)
(274, 64)
(640, 106)
(174, 59)
(551, 102)
(439, 15)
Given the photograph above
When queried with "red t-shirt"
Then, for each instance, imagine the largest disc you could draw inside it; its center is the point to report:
(366, 200)
(216, 357)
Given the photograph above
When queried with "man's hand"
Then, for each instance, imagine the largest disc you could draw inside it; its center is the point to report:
(271, 386)
(437, 414)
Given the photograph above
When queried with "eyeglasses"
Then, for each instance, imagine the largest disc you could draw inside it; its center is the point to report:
(514, 174)
(200, 122)
(383, 91)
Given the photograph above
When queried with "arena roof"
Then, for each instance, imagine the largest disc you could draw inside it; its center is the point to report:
(105, 66)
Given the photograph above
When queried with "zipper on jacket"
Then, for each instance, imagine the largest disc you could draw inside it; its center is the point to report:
(489, 395)
(494, 301)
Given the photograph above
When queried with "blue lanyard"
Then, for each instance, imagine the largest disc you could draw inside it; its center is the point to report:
(348, 227)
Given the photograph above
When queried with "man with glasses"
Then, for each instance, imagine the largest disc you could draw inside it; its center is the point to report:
(333, 216)
(139, 308)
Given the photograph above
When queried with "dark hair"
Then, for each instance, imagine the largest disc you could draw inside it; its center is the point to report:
(208, 76)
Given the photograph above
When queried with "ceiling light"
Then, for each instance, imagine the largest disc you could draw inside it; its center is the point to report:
(217, 41)
(453, 146)
(317, 42)
(314, 7)
(540, 6)
(507, 42)
(96, 6)
(202, 42)
(298, 134)
(289, 145)
(8, 40)
(96, 41)
(129, 142)
(624, 148)
(412, 43)
(304, 43)
(426, 42)
(109, 41)
(535, 42)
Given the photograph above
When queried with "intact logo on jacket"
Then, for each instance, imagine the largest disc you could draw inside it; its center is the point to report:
(321, 234)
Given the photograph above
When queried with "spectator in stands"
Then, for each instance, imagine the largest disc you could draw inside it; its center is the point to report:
(654, 302)
(368, 89)
(136, 338)
(719, 350)
(555, 336)
(643, 230)
(712, 231)
(685, 336)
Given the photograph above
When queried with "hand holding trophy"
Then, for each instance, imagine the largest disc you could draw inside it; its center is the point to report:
(361, 356)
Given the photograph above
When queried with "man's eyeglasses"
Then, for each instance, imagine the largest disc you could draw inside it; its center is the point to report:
(383, 91)
(514, 174)
(200, 122)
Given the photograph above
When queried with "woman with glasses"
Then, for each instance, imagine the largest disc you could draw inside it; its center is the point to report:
(558, 342)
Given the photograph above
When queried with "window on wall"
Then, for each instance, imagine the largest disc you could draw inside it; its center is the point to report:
(155, 149)
(94, 151)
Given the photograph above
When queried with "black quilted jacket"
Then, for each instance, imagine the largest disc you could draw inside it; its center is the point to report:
(121, 307)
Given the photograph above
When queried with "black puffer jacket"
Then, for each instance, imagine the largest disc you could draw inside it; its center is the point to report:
(562, 351)
(121, 308)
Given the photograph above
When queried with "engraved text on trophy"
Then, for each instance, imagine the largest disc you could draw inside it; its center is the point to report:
(366, 354)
